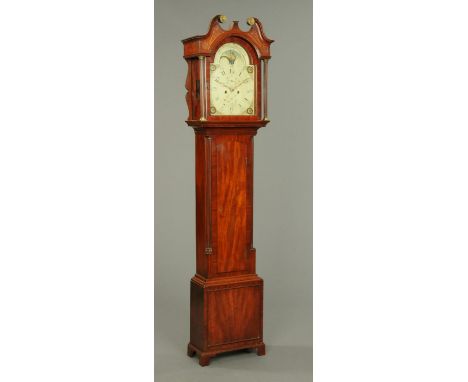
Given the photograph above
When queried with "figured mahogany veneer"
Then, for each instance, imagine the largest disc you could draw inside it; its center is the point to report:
(226, 294)
(225, 315)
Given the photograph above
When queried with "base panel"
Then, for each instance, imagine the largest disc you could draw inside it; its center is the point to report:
(226, 314)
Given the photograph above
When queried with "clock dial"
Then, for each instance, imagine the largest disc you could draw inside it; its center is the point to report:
(232, 82)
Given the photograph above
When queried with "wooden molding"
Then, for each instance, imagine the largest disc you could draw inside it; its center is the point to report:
(202, 45)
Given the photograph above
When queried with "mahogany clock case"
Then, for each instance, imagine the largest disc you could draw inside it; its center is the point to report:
(226, 294)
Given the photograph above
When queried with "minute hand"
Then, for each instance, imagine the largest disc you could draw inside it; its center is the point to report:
(239, 84)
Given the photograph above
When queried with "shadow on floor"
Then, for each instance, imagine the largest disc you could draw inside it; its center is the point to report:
(279, 358)
(279, 364)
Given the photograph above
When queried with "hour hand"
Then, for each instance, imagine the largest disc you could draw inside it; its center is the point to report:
(223, 84)
(239, 84)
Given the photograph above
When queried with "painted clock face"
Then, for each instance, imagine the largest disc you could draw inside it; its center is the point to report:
(232, 82)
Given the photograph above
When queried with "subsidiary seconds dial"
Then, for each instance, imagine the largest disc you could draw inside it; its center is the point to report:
(232, 82)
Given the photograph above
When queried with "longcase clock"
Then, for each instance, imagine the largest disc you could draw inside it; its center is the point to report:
(227, 101)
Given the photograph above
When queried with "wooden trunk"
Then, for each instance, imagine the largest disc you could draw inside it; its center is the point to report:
(226, 295)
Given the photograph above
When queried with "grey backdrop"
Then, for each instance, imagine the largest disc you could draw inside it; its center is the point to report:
(282, 194)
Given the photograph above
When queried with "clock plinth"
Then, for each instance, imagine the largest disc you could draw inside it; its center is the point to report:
(225, 111)
(226, 315)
